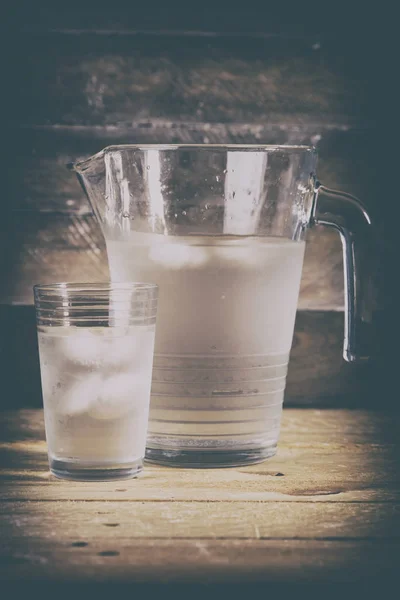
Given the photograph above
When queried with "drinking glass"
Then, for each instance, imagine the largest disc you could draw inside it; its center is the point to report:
(96, 344)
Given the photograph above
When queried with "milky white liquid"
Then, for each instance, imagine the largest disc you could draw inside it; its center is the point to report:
(224, 330)
(96, 390)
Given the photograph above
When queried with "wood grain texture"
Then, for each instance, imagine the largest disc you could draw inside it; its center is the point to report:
(194, 520)
(325, 509)
(42, 248)
(116, 79)
(201, 562)
(317, 373)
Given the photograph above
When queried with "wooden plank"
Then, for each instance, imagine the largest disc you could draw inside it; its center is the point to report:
(45, 248)
(203, 561)
(317, 373)
(118, 523)
(115, 79)
(32, 485)
(329, 456)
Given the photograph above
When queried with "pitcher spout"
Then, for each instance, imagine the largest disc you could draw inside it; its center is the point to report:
(91, 174)
(125, 188)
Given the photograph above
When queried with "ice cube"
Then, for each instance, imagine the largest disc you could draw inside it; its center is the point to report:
(177, 256)
(121, 350)
(82, 347)
(236, 255)
(79, 395)
(119, 395)
(134, 349)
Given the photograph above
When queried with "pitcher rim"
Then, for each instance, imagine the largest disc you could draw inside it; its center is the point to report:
(174, 147)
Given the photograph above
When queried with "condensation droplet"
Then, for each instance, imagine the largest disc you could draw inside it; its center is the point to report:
(176, 215)
(148, 167)
(233, 194)
(225, 171)
(217, 177)
(184, 212)
(125, 215)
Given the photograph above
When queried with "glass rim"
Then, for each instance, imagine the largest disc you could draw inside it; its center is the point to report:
(124, 286)
(205, 147)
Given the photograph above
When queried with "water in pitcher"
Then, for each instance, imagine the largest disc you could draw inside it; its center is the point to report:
(225, 322)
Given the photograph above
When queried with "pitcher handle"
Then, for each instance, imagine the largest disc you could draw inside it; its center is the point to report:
(348, 216)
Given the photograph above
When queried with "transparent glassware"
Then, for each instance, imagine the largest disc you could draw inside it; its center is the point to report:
(96, 344)
(222, 230)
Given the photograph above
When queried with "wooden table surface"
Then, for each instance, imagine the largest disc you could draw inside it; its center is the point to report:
(326, 508)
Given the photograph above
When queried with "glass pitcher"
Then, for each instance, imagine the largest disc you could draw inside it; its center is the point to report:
(221, 229)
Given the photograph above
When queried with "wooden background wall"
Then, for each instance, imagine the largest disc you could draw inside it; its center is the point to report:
(81, 80)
